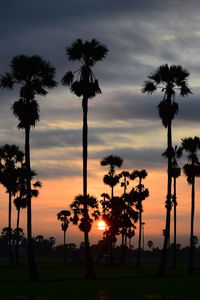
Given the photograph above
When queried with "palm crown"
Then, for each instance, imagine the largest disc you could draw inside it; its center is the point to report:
(168, 79)
(191, 169)
(11, 159)
(88, 53)
(34, 75)
(112, 161)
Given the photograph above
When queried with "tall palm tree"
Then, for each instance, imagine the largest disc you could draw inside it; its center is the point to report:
(63, 217)
(176, 172)
(85, 85)
(34, 75)
(168, 79)
(141, 193)
(11, 159)
(191, 171)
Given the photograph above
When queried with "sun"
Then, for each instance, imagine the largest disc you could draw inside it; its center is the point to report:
(101, 225)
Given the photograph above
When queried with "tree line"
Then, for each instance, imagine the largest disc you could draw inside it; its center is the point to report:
(34, 76)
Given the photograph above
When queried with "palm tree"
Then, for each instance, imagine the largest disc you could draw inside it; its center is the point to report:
(34, 75)
(84, 222)
(20, 201)
(11, 158)
(176, 172)
(150, 244)
(140, 194)
(111, 179)
(18, 236)
(85, 85)
(168, 79)
(191, 171)
(63, 217)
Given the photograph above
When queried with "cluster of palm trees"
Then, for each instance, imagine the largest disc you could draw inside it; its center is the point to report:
(120, 213)
(170, 80)
(35, 76)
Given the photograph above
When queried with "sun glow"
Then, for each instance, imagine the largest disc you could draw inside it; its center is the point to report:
(101, 225)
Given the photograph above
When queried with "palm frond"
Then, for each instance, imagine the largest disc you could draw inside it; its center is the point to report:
(6, 81)
(149, 87)
(67, 78)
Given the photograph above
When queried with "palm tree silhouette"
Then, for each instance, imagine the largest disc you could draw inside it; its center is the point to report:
(84, 222)
(140, 193)
(111, 179)
(63, 217)
(34, 75)
(124, 175)
(150, 244)
(11, 158)
(168, 79)
(191, 171)
(18, 236)
(176, 172)
(85, 85)
(20, 201)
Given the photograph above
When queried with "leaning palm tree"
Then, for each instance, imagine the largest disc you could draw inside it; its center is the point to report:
(168, 79)
(191, 171)
(11, 159)
(63, 217)
(83, 84)
(176, 172)
(140, 193)
(34, 75)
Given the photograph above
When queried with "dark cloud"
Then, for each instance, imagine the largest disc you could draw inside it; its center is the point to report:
(62, 138)
(135, 158)
(52, 171)
(141, 35)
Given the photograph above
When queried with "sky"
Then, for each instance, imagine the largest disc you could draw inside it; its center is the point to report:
(141, 36)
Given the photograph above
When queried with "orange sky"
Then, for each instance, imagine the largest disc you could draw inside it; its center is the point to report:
(56, 195)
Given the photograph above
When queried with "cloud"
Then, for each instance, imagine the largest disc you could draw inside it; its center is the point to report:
(135, 158)
(46, 170)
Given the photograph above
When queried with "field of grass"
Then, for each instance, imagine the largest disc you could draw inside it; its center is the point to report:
(60, 280)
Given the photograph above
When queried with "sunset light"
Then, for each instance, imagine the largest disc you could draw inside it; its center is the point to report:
(101, 225)
(100, 149)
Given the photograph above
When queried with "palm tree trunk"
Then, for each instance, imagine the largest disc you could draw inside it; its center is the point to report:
(33, 273)
(64, 245)
(191, 253)
(174, 248)
(138, 262)
(162, 267)
(88, 256)
(112, 234)
(10, 226)
(17, 242)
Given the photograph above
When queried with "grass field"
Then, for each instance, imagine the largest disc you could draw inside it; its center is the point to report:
(65, 281)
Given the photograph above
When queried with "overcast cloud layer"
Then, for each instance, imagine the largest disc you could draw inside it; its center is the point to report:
(140, 35)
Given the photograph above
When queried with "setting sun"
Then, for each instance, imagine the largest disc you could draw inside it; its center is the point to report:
(101, 225)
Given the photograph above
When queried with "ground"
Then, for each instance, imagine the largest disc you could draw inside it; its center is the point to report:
(61, 281)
